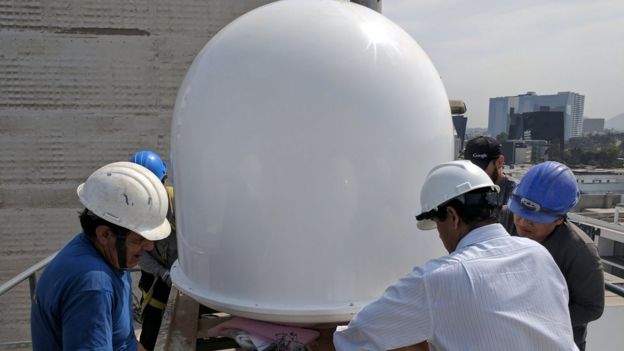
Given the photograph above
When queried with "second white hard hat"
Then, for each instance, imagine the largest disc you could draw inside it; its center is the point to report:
(130, 196)
(447, 181)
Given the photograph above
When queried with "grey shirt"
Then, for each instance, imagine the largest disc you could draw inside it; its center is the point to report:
(506, 189)
(165, 252)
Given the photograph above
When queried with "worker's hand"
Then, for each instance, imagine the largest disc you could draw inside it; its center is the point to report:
(165, 276)
(325, 340)
(140, 347)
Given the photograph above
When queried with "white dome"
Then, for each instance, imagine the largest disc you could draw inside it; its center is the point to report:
(301, 136)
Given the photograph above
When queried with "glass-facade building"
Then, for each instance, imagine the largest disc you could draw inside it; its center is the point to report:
(571, 104)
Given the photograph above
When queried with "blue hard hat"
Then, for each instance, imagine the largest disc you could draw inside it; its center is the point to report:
(546, 192)
(151, 161)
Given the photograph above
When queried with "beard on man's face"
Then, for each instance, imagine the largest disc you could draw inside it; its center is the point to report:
(494, 176)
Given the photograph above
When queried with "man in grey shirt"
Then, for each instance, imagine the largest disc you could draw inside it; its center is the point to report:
(537, 210)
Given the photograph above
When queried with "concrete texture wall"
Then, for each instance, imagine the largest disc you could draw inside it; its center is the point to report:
(82, 83)
(608, 200)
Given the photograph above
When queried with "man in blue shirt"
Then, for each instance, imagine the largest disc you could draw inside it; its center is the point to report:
(83, 298)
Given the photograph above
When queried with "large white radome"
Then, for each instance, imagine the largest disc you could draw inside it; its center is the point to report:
(301, 135)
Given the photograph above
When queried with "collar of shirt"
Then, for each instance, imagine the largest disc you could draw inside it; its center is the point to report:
(487, 232)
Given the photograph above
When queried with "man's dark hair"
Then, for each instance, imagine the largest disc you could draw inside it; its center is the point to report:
(475, 208)
(90, 221)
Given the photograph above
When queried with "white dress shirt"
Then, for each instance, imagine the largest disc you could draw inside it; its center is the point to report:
(494, 292)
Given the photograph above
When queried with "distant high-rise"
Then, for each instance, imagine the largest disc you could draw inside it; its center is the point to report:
(571, 104)
(593, 125)
(541, 125)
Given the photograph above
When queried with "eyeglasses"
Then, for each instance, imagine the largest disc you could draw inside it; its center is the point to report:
(533, 206)
(489, 199)
(427, 215)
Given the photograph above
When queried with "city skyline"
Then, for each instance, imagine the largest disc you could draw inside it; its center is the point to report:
(484, 49)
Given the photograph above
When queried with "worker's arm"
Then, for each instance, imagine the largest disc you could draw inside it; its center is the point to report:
(325, 343)
(151, 265)
(585, 279)
(401, 317)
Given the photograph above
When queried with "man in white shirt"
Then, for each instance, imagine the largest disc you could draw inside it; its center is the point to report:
(492, 292)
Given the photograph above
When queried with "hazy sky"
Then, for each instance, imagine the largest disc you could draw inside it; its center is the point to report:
(488, 48)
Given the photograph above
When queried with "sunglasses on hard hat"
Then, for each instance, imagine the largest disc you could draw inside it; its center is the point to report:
(532, 206)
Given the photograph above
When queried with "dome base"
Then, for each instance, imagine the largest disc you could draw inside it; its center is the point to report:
(318, 316)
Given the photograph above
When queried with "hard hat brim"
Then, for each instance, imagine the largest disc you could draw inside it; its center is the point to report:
(426, 224)
(158, 233)
(533, 216)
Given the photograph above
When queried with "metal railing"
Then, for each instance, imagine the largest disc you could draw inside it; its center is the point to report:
(614, 288)
(597, 224)
(30, 274)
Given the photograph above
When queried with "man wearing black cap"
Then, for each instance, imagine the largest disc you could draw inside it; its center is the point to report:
(486, 153)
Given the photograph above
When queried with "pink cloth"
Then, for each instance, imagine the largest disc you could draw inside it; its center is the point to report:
(265, 329)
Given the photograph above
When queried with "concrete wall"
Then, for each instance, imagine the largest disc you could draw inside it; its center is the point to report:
(83, 83)
(608, 200)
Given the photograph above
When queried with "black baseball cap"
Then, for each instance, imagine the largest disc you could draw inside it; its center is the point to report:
(481, 150)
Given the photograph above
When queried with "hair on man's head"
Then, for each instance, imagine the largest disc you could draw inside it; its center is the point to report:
(89, 221)
(480, 206)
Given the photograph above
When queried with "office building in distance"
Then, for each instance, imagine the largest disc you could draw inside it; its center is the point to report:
(502, 110)
(593, 125)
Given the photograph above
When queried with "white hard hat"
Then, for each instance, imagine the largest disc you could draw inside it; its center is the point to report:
(447, 181)
(130, 196)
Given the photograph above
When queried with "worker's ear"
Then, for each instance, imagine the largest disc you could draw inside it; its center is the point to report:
(500, 161)
(453, 216)
(103, 234)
